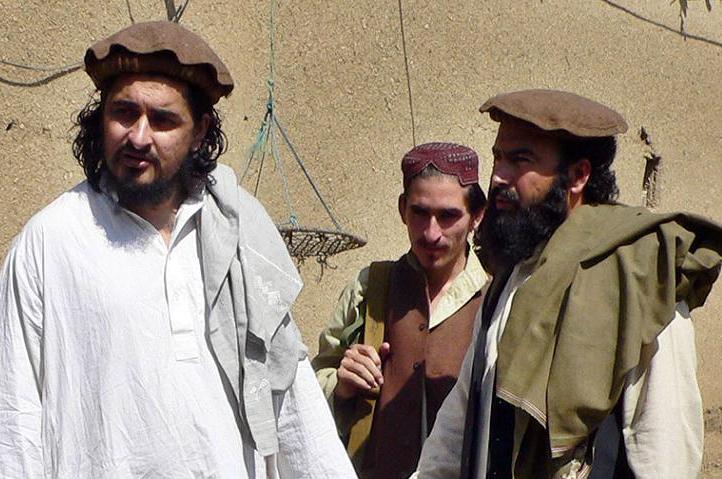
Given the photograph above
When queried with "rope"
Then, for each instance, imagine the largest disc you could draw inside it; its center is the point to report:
(268, 131)
(408, 76)
(42, 69)
(293, 219)
(302, 242)
(255, 147)
(272, 53)
(305, 172)
(260, 168)
(42, 81)
(130, 12)
(172, 13)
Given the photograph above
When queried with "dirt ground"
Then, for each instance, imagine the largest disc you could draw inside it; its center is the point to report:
(342, 93)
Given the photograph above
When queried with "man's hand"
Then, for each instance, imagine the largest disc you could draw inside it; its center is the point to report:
(360, 370)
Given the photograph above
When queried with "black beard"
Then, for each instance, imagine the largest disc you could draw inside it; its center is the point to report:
(507, 237)
(132, 194)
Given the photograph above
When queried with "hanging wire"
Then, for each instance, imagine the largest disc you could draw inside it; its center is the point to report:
(303, 242)
(268, 133)
(57, 73)
(172, 13)
(305, 172)
(130, 12)
(408, 76)
(293, 218)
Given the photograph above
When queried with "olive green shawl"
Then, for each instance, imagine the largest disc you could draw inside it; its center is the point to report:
(605, 285)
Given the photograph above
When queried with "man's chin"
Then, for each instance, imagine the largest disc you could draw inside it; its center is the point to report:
(432, 261)
(502, 206)
(140, 192)
(510, 210)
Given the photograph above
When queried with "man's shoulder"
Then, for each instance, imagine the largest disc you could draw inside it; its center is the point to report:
(67, 205)
(230, 194)
(360, 282)
(57, 218)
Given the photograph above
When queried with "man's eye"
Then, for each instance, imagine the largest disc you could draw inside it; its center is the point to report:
(121, 111)
(123, 114)
(449, 215)
(162, 122)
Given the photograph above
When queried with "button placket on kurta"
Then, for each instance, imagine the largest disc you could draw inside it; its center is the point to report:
(184, 285)
(182, 279)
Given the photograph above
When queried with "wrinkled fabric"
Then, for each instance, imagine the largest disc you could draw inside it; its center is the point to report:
(661, 420)
(106, 365)
(250, 278)
(603, 288)
(116, 378)
(349, 309)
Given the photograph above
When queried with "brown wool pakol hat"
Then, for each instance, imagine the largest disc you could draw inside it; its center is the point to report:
(557, 110)
(159, 47)
(449, 158)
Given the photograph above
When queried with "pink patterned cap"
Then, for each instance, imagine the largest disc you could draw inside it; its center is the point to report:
(449, 158)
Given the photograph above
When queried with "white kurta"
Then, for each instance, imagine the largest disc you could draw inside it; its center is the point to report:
(105, 370)
(662, 416)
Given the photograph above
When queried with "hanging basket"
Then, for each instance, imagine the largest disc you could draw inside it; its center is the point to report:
(305, 243)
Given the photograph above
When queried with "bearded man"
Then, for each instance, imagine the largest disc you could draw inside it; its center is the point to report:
(393, 348)
(584, 365)
(145, 314)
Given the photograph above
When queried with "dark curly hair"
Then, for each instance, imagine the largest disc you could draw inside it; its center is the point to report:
(88, 143)
(600, 151)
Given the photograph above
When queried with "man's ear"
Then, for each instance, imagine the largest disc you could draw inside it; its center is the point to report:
(477, 218)
(579, 174)
(200, 129)
(402, 207)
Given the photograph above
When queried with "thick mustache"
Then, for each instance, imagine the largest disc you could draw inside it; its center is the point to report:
(425, 244)
(505, 194)
(130, 150)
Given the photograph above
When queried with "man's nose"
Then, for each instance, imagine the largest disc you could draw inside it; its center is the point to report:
(140, 133)
(501, 175)
(432, 233)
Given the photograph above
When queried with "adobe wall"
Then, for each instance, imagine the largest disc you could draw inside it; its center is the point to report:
(342, 94)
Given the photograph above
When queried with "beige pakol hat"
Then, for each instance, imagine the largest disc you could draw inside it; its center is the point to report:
(557, 110)
(159, 47)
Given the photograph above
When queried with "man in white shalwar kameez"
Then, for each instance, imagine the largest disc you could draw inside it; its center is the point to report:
(145, 326)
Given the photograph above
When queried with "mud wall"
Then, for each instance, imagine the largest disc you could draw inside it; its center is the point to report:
(342, 93)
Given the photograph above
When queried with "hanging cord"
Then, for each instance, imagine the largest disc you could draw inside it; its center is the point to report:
(302, 241)
(305, 172)
(57, 72)
(267, 133)
(293, 218)
(173, 14)
(408, 76)
(130, 12)
(275, 152)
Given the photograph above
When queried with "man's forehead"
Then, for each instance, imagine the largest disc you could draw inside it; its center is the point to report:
(441, 189)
